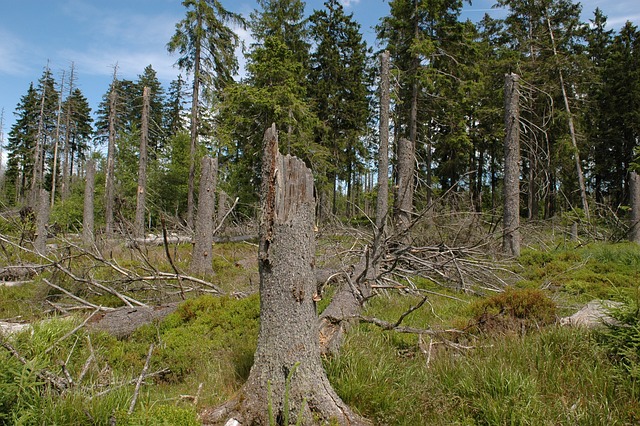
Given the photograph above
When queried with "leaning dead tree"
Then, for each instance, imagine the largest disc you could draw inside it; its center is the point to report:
(287, 383)
(511, 222)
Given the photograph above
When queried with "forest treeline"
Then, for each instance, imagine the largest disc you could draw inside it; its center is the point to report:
(317, 79)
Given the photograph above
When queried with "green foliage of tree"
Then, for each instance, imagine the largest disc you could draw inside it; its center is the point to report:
(339, 87)
(20, 144)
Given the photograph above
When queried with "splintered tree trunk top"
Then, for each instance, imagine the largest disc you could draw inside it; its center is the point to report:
(287, 359)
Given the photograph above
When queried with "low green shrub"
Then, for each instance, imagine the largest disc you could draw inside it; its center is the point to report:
(514, 309)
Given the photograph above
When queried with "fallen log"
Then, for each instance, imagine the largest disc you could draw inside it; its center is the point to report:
(157, 240)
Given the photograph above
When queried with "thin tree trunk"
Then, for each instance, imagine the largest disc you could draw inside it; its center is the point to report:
(287, 379)
(223, 208)
(42, 219)
(194, 129)
(36, 181)
(89, 198)
(511, 223)
(111, 154)
(201, 262)
(572, 131)
(382, 203)
(142, 167)
(67, 160)
(634, 199)
(54, 172)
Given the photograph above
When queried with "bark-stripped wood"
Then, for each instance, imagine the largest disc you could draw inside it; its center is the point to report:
(42, 219)
(138, 228)
(511, 226)
(89, 198)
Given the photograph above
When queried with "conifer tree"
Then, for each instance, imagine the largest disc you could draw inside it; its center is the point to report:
(21, 142)
(206, 45)
(339, 82)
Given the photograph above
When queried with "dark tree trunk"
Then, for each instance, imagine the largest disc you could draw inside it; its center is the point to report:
(511, 230)
(288, 352)
(201, 257)
(634, 200)
(138, 230)
(382, 204)
(89, 197)
(42, 219)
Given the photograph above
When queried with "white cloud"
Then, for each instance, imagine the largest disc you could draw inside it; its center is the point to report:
(348, 3)
(12, 52)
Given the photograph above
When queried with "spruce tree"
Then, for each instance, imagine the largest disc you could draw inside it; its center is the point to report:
(206, 45)
(339, 81)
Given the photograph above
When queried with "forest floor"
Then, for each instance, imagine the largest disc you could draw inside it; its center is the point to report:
(491, 357)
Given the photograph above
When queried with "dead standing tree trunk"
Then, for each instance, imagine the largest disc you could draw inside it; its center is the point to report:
(89, 198)
(138, 228)
(287, 378)
(42, 219)
(110, 195)
(382, 203)
(203, 240)
(511, 226)
(634, 198)
(404, 188)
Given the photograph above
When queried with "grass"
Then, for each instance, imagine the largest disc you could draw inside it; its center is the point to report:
(519, 368)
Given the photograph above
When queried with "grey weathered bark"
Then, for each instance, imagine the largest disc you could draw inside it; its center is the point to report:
(223, 208)
(42, 219)
(634, 198)
(38, 170)
(404, 188)
(111, 154)
(511, 222)
(66, 160)
(382, 203)
(572, 131)
(201, 262)
(194, 126)
(288, 352)
(89, 198)
(54, 171)
(138, 228)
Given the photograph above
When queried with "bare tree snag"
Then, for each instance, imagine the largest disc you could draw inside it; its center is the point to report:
(42, 219)
(89, 198)
(54, 171)
(511, 226)
(634, 198)
(38, 151)
(203, 241)
(66, 160)
(111, 155)
(572, 131)
(382, 203)
(223, 209)
(404, 189)
(288, 352)
(138, 227)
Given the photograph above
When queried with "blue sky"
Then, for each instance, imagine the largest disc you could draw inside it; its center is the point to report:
(97, 34)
